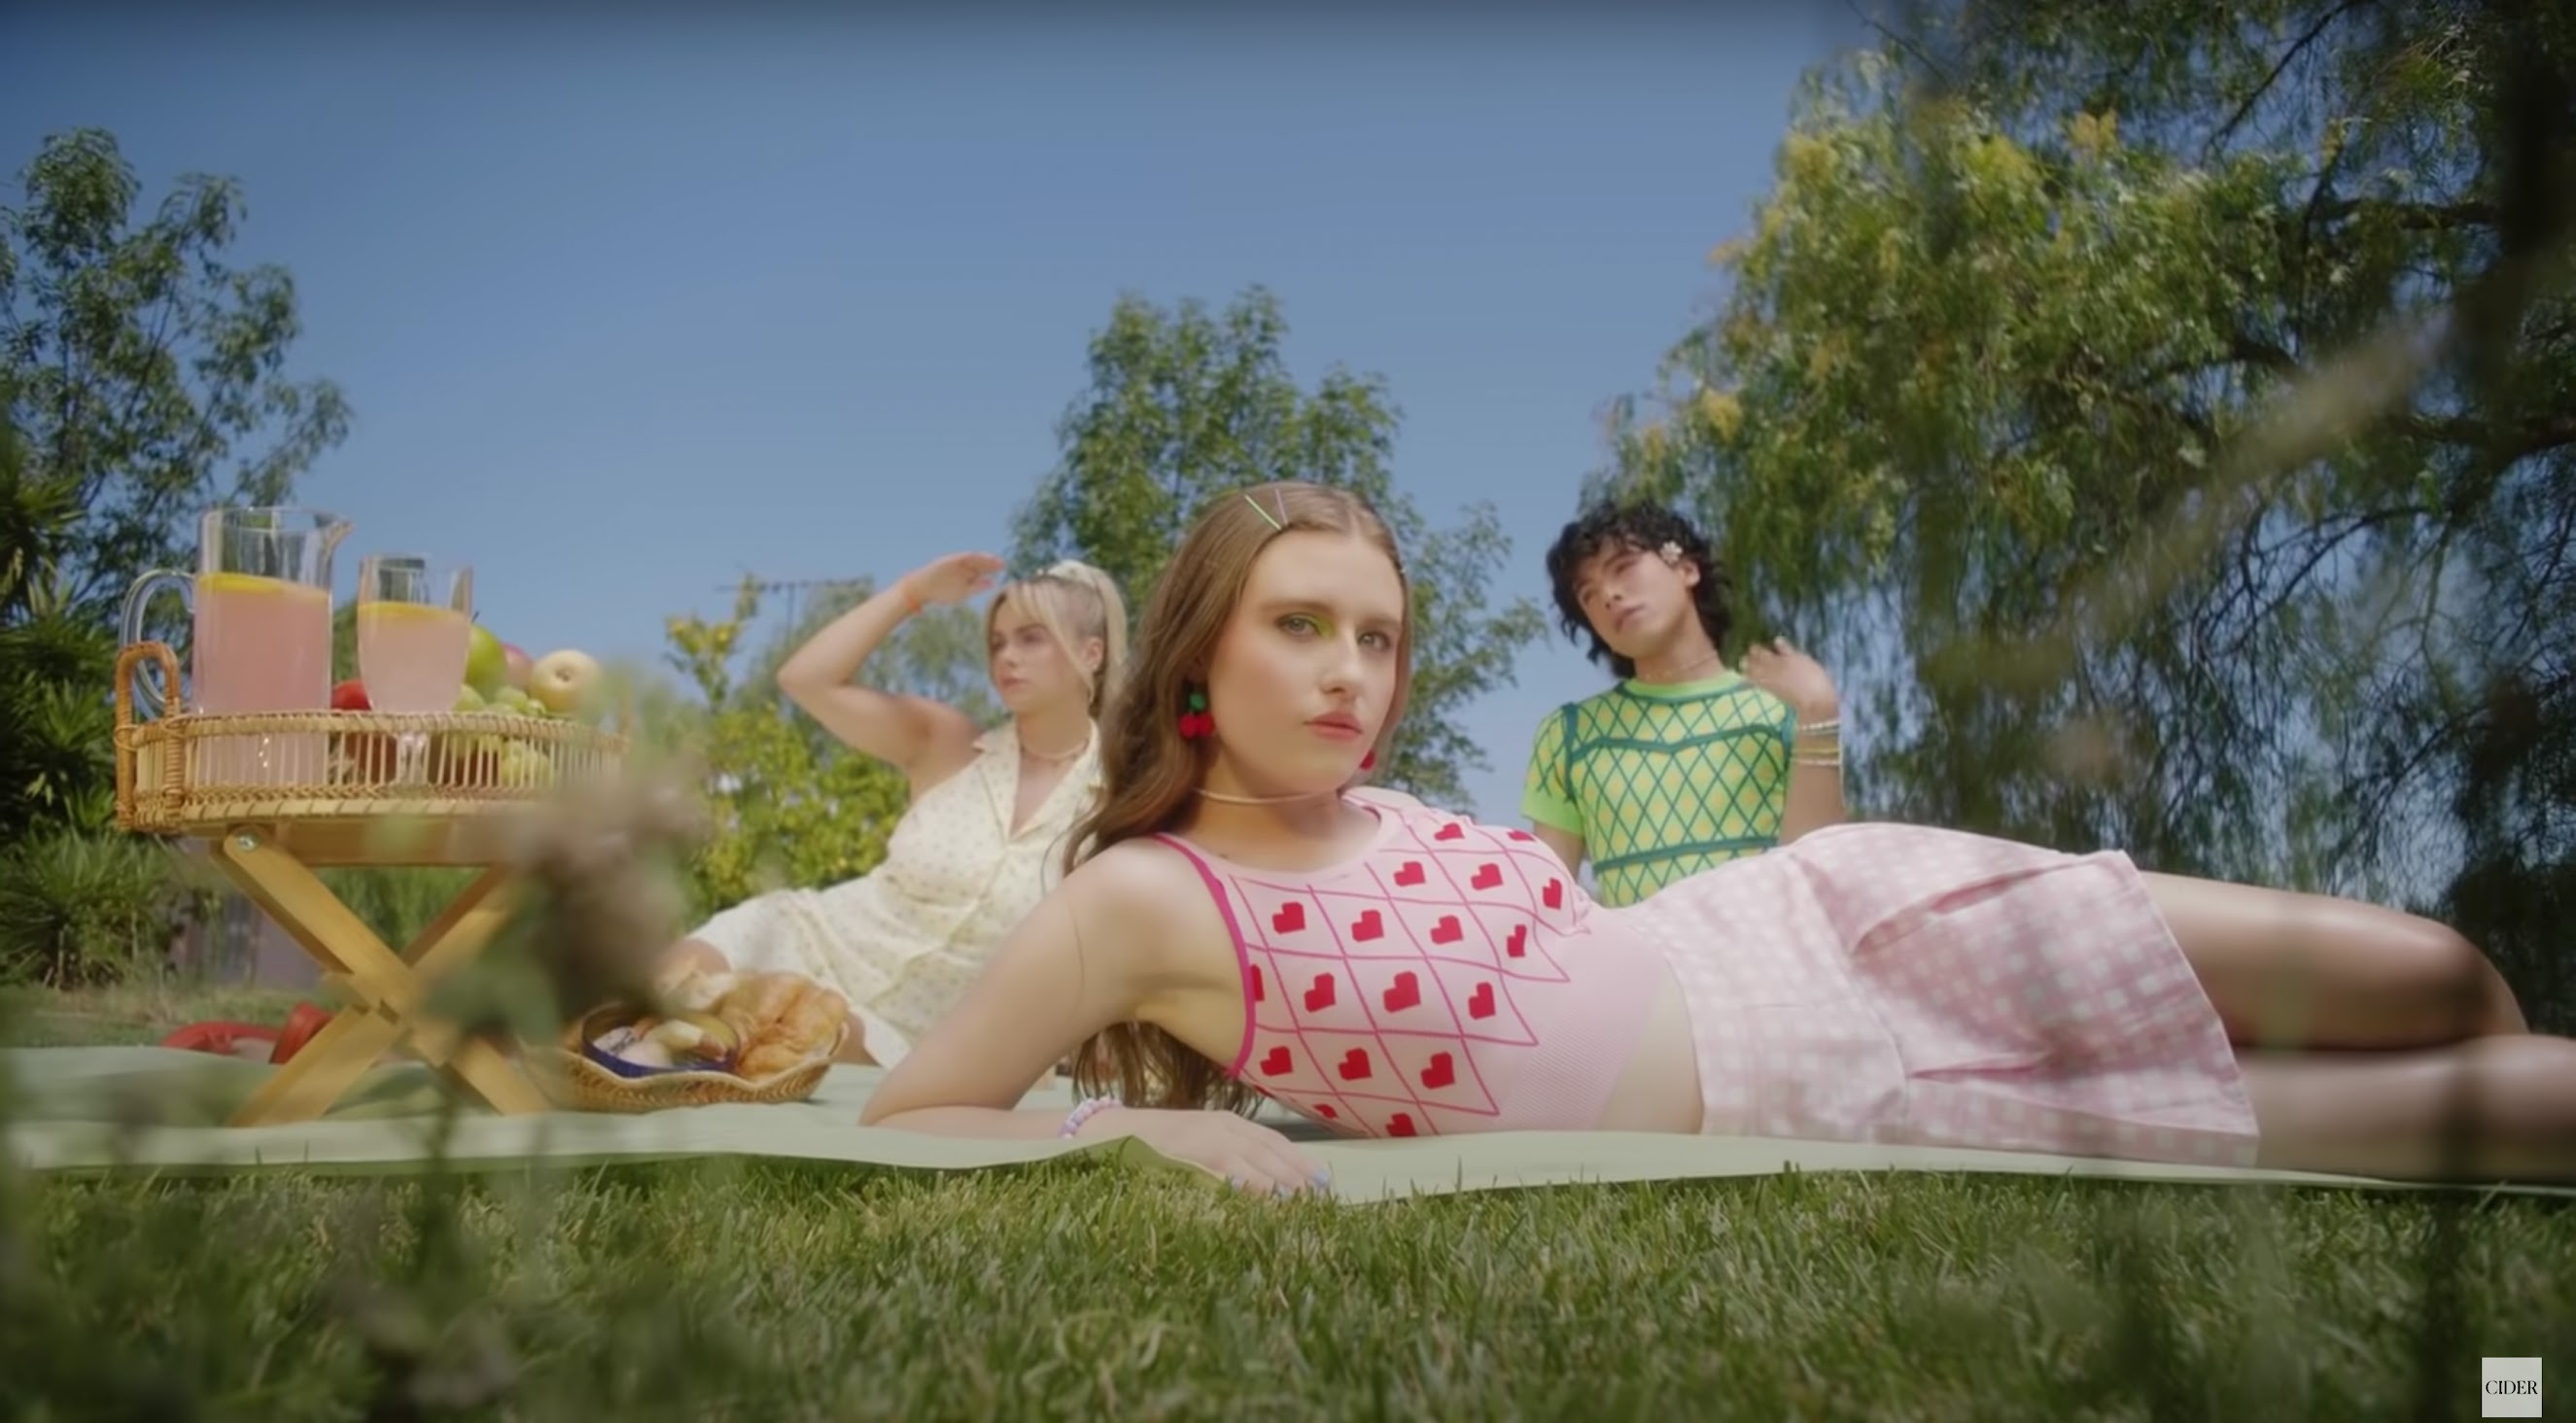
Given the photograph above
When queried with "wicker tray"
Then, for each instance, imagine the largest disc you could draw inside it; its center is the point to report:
(202, 773)
(570, 1078)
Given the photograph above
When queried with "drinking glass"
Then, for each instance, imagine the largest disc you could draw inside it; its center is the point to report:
(415, 630)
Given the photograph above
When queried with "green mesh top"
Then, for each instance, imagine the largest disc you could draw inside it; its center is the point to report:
(1662, 782)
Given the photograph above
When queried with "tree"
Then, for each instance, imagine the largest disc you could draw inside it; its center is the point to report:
(133, 364)
(146, 371)
(785, 808)
(2163, 411)
(1187, 405)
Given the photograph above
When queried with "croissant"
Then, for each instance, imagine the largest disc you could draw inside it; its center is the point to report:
(781, 1019)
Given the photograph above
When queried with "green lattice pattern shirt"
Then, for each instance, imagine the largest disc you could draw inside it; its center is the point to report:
(1662, 782)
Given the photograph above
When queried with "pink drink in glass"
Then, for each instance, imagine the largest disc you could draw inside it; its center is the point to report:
(262, 645)
(415, 633)
(411, 655)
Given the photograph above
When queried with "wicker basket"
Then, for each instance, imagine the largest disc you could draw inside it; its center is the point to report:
(571, 1078)
(202, 773)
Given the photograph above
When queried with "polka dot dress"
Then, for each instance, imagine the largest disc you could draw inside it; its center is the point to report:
(903, 942)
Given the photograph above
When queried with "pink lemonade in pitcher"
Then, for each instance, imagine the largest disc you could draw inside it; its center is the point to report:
(412, 655)
(262, 644)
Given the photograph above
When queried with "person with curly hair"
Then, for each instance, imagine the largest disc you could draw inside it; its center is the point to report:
(1684, 763)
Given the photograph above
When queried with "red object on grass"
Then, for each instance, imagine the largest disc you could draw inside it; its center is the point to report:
(301, 1025)
(217, 1037)
(220, 1037)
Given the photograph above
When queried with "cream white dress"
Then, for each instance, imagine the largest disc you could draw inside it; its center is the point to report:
(903, 941)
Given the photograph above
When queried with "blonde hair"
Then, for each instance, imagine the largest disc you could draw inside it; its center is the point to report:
(1073, 600)
(1150, 774)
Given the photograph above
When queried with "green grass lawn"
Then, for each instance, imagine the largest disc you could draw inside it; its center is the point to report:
(777, 1291)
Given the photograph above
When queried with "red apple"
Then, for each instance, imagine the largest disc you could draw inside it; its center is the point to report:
(370, 753)
(518, 662)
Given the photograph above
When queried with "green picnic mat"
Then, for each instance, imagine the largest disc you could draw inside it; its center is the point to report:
(160, 1111)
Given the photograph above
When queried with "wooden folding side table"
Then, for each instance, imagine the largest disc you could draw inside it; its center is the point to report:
(324, 794)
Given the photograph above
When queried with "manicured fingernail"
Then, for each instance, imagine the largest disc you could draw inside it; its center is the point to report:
(1323, 1176)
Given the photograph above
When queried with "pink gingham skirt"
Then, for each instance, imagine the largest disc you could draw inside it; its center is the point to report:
(1896, 983)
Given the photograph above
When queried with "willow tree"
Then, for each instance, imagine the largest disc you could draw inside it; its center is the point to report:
(2162, 418)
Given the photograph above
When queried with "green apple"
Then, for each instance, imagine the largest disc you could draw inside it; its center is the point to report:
(468, 700)
(487, 661)
(523, 765)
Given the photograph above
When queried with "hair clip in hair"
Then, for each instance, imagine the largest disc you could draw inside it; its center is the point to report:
(1277, 522)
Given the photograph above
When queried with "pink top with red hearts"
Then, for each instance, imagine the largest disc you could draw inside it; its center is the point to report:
(1447, 979)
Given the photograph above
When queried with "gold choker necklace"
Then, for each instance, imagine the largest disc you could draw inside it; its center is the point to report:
(1028, 752)
(1263, 799)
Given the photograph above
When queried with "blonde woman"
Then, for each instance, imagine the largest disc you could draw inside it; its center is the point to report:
(984, 836)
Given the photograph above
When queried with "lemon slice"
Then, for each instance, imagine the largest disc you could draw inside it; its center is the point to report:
(259, 583)
(375, 612)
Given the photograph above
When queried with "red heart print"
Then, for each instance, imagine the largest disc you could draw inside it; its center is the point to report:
(1523, 835)
(1320, 996)
(1367, 927)
(1554, 894)
(1355, 1065)
(1259, 991)
(1406, 992)
(1276, 1063)
(1518, 943)
(1487, 877)
(1290, 918)
(1401, 1124)
(1451, 831)
(1410, 875)
(1440, 1073)
(1325, 1109)
(1447, 930)
(1480, 1004)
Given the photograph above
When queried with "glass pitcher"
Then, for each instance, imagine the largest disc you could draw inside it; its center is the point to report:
(260, 636)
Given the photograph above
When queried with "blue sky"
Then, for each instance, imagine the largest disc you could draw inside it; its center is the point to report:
(628, 303)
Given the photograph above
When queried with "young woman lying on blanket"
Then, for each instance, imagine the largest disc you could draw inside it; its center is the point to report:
(1241, 924)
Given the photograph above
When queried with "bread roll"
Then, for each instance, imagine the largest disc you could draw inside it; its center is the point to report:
(783, 1019)
(755, 1003)
(805, 1028)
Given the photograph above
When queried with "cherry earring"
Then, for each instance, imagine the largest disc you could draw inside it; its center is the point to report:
(1196, 722)
(1369, 761)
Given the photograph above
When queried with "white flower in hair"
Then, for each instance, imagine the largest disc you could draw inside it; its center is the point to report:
(1671, 551)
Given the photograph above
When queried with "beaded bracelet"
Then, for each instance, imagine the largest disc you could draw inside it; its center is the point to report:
(1089, 1108)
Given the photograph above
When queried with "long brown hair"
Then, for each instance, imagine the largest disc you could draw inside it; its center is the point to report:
(1150, 774)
